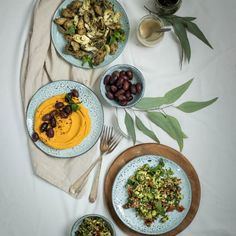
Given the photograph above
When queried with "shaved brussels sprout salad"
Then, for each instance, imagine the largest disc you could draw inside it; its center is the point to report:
(153, 192)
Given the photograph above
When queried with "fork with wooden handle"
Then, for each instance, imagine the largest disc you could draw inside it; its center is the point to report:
(106, 142)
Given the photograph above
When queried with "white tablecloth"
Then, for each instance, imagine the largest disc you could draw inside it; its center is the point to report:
(30, 206)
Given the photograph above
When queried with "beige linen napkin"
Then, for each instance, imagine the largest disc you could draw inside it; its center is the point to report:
(41, 65)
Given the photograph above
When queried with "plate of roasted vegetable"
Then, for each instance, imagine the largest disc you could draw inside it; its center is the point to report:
(90, 33)
(151, 194)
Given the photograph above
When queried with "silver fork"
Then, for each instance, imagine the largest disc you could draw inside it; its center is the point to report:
(110, 141)
(107, 144)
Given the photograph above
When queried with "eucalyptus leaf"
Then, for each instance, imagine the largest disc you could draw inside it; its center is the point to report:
(169, 124)
(160, 120)
(187, 18)
(167, 22)
(145, 130)
(183, 19)
(170, 97)
(181, 33)
(176, 123)
(194, 29)
(177, 130)
(176, 93)
(190, 106)
(129, 123)
(150, 103)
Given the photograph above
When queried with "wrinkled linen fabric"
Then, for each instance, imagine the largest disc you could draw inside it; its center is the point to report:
(41, 65)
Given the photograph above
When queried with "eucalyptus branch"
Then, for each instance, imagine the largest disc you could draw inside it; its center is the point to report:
(181, 26)
(168, 106)
(154, 108)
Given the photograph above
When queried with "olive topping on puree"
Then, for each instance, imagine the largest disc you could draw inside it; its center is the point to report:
(62, 121)
(154, 191)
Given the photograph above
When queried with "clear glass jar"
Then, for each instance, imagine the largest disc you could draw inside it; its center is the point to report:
(147, 31)
(167, 7)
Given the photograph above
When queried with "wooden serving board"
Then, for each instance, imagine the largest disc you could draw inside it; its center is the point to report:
(160, 150)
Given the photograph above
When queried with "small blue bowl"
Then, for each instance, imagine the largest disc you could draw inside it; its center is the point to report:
(137, 78)
(77, 224)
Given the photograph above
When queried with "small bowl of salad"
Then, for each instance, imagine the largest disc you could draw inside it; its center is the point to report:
(93, 225)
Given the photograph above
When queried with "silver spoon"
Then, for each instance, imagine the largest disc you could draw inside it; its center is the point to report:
(158, 31)
(163, 30)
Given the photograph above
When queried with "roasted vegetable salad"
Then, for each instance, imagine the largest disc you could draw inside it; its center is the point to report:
(92, 30)
(153, 192)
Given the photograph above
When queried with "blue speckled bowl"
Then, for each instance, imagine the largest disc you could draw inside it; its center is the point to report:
(79, 221)
(137, 77)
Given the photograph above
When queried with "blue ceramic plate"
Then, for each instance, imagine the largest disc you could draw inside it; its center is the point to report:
(129, 216)
(137, 77)
(77, 224)
(59, 41)
(90, 101)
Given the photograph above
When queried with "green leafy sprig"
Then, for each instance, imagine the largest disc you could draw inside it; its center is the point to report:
(87, 59)
(155, 111)
(74, 105)
(71, 30)
(117, 36)
(181, 26)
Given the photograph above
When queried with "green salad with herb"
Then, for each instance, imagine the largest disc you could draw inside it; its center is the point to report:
(93, 226)
(153, 192)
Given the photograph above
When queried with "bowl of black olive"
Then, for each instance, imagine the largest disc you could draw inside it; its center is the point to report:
(122, 86)
(92, 224)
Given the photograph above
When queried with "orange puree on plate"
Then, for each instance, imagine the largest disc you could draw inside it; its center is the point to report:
(69, 132)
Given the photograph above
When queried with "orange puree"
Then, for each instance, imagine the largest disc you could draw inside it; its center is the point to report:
(70, 131)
